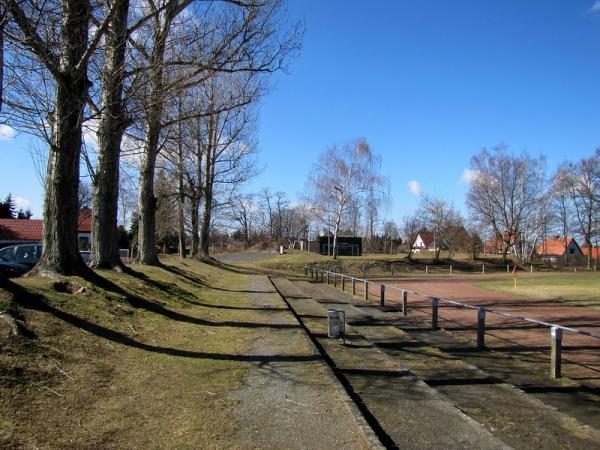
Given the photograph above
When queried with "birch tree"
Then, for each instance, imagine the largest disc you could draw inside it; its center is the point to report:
(340, 179)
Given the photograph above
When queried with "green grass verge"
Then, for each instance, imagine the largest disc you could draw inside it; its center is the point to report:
(133, 363)
(570, 288)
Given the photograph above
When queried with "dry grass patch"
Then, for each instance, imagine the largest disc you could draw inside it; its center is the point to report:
(143, 360)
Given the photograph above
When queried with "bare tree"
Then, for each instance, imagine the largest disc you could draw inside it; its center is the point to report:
(58, 40)
(411, 226)
(504, 193)
(584, 189)
(339, 179)
(445, 221)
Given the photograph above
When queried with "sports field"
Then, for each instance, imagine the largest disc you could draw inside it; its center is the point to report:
(566, 299)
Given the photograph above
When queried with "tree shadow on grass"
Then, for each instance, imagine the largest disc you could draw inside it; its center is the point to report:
(37, 302)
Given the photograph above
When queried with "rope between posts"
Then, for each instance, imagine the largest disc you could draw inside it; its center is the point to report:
(466, 305)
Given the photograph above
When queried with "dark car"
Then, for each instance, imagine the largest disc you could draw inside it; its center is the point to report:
(12, 269)
(23, 254)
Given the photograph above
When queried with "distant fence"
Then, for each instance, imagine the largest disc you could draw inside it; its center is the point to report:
(362, 286)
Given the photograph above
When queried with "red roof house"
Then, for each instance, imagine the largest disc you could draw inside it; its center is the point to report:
(425, 241)
(14, 231)
(556, 247)
(595, 252)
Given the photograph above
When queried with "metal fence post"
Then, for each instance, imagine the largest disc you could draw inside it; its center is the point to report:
(382, 294)
(480, 328)
(555, 357)
(353, 286)
(366, 290)
(404, 303)
(435, 303)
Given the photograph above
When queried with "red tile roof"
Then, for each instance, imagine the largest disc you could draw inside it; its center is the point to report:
(595, 251)
(32, 229)
(427, 237)
(554, 246)
(85, 221)
(21, 229)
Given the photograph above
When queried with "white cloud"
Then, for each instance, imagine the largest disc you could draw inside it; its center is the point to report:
(468, 176)
(22, 203)
(595, 9)
(415, 187)
(6, 132)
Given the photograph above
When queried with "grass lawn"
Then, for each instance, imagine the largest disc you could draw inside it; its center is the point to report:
(145, 361)
(570, 288)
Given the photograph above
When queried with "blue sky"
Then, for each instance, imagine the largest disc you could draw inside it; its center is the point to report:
(428, 83)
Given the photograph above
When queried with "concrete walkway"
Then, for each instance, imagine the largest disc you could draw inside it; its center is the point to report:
(291, 399)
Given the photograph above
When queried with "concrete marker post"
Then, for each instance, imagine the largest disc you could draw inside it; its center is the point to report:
(531, 268)
(426, 270)
(405, 303)
(382, 294)
(366, 290)
(508, 268)
(480, 328)
(450, 270)
(555, 354)
(435, 303)
(483, 269)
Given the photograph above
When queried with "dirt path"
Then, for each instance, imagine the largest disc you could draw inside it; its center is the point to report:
(510, 333)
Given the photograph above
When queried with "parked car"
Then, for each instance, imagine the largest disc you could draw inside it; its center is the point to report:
(85, 255)
(24, 254)
(12, 269)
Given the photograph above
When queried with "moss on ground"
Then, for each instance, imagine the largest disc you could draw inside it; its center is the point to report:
(143, 359)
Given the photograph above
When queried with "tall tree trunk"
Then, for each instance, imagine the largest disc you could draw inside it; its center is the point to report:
(61, 203)
(105, 241)
(180, 199)
(146, 198)
(206, 219)
(147, 253)
(194, 206)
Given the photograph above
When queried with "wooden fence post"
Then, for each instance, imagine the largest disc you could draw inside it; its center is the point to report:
(334, 280)
(404, 303)
(382, 294)
(435, 303)
(366, 290)
(555, 355)
(353, 286)
(305, 271)
(480, 328)
(328, 279)
(343, 282)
